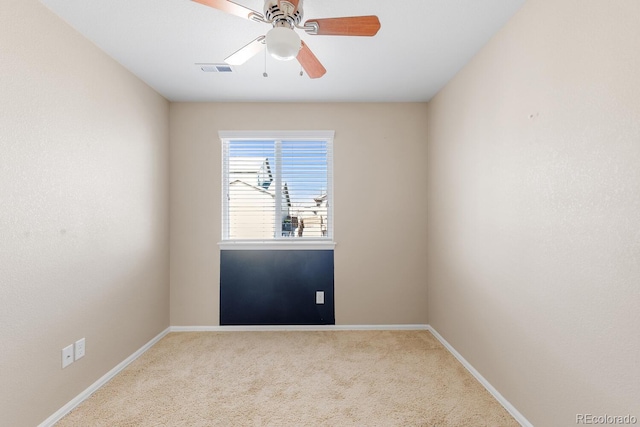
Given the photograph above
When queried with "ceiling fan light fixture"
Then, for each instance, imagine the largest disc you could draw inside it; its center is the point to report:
(283, 43)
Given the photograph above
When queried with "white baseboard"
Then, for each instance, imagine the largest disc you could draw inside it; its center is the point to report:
(486, 384)
(274, 328)
(57, 416)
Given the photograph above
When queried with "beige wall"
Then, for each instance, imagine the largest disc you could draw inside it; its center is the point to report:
(534, 201)
(83, 212)
(380, 205)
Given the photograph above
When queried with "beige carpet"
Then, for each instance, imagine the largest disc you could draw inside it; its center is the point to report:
(337, 378)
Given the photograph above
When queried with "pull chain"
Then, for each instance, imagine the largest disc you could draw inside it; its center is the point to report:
(265, 63)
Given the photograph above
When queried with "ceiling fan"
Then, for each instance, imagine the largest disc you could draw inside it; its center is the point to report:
(282, 41)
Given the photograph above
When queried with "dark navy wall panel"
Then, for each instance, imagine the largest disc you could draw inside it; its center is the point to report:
(275, 287)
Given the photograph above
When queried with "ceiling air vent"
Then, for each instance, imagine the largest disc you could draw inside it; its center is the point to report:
(216, 68)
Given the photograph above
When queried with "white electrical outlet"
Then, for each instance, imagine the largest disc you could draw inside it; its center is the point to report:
(79, 348)
(67, 356)
(319, 297)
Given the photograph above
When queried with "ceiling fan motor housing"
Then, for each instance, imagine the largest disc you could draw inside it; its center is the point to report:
(283, 13)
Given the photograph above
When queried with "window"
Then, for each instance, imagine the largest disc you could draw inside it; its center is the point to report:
(277, 187)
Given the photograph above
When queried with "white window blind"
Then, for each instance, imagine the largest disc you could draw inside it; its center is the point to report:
(277, 187)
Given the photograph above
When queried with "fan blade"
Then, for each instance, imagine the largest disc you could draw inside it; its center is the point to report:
(347, 26)
(310, 63)
(230, 7)
(247, 52)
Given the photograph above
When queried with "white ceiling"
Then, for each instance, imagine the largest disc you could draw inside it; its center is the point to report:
(421, 45)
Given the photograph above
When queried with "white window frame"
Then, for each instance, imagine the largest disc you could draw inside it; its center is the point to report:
(279, 243)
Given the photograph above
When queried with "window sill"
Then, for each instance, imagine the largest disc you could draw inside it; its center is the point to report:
(271, 245)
